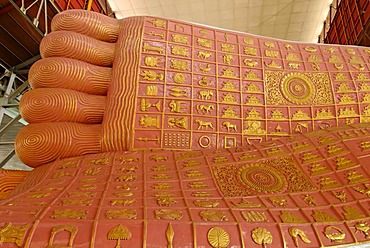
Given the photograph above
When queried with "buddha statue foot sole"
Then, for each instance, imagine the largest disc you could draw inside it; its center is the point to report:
(307, 190)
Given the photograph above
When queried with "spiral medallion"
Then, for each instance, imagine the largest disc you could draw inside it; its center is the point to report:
(263, 178)
(297, 88)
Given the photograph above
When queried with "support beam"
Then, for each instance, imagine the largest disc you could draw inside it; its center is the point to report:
(11, 123)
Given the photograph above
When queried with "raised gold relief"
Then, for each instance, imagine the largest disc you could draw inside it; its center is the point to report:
(297, 233)
(204, 43)
(121, 214)
(227, 48)
(309, 199)
(179, 65)
(289, 217)
(218, 237)
(204, 82)
(165, 199)
(229, 73)
(352, 213)
(180, 51)
(334, 234)
(179, 78)
(10, 233)
(151, 75)
(119, 233)
(169, 235)
(168, 214)
(151, 61)
(204, 125)
(206, 203)
(250, 62)
(321, 216)
(213, 215)
(158, 23)
(262, 236)
(64, 228)
(364, 228)
(228, 58)
(156, 34)
(149, 48)
(254, 216)
(69, 214)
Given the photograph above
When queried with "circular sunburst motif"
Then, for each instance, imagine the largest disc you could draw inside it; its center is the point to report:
(263, 178)
(218, 237)
(297, 88)
(179, 78)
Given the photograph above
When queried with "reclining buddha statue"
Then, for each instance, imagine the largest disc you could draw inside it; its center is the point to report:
(151, 132)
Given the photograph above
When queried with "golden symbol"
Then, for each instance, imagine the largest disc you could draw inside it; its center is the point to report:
(227, 58)
(158, 23)
(205, 94)
(151, 61)
(181, 51)
(204, 145)
(269, 44)
(181, 122)
(254, 216)
(178, 92)
(179, 78)
(218, 237)
(69, 213)
(229, 126)
(213, 215)
(175, 106)
(261, 236)
(310, 49)
(204, 42)
(180, 39)
(10, 233)
(273, 65)
(168, 214)
(148, 121)
(119, 233)
(179, 26)
(121, 214)
(145, 139)
(72, 234)
(289, 47)
(149, 48)
(158, 158)
(204, 55)
(155, 34)
(151, 75)
(248, 41)
(205, 69)
(249, 139)
(179, 65)
(145, 105)
(169, 234)
(204, 124)
(250, 62)
(204, 108)
(337, 237)
(363, 227)
(250, 51)
(204, 82)
(227, 48)
(296, 233)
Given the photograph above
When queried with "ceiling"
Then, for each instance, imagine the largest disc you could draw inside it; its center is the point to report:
(299, 20)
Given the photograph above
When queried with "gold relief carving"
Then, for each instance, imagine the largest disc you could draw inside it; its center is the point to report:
(147, 121)
(362, 77)
(293, 65)
(179, 28)
(253, 114)
(169, 235)
(350, 51)
(156, 34)
(251, 76)
(123, 194)
(149, 48)
(179, 65)
(334, 150)
(261, 236)
(205, 69)
(229, 98)
(205, 94)
(228, 85)
(337, 236)
(278, 201)
(165, 199)
(339, 66)
(168, 214)
(313, 59)
(228, 58)
(301, 146)
(250, 51)
(289, 47)
(69, 214)
(204, 43)
(365, 190)
(193, 174)
(343, 163)
(297, 88)
(229, 112)
(360, 68)
(289, 217)
(162, 186)
(145, 139)
(227, 48)
(300, 127)
(316, 66)
(273, 65)
(160, 167)
(310, 49)
(366, 98)
(346, 99)
(330, 49)
(204, 82)
(352, 213)
(205, 108)
(203, 32)
(254, 128)
(219, 160)
(309, 157)
(253, 100)
(81, 194)
(158, 23)
(180, 51)
(355, 177)
(365, 145)
(356, 60)
(277, 115)
(121, 214)
(191, 163)
(324, 140)
(86, 202)
(206, 203)
(197, 185)
(309, 199)
(178, 38)
(340, 195)
(204, 141)
(271, 54)
(175, 106)
(292, 57)
(126, 178)
(60, 174)
(119, 233)
(128, 202)
(178, 92)
(247, 156)
(204, 124)
(218, 237)
(129, 169)
(229, 73)
(321, 216)
(179, 78)
(151, 90)
(151, 61)
(248, 41)
(201, 194)
(250, 62)
(252, 88)
(161, 177)
(151, 75)
(126, 186)
(69, 164)
(364, 228)
(343, 88)
(181, 122)
(254, 216)
(213, 215)
(10, 233)
(296, 233)
(246, 204)
(204, 54)
(38, 195)
(57, 229)
(328, 183)
(318, 169)
(300, 115)
(269, 44)
(229, 126)
(92, 171)
(335, 59)
(324, 114)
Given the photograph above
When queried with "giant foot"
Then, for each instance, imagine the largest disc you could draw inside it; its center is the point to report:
(143, 82)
